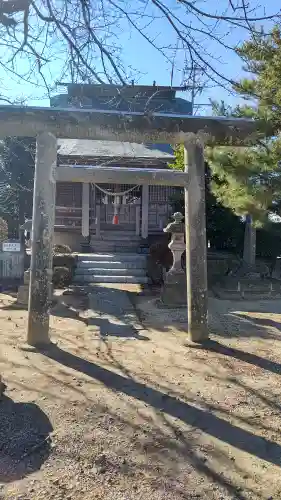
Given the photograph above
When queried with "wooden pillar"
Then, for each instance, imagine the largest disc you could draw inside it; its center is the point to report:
(85, 209)
(144, 208)
(196, 246)
(42, 240)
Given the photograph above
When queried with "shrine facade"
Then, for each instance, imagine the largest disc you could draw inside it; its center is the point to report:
(93, 212)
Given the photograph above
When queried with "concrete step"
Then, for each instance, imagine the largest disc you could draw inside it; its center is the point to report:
(111, 268)
(112, 257)
(111, 279)
(114, 234)
(107, 264)
(105, 271)
(118, 237)
(106, 247)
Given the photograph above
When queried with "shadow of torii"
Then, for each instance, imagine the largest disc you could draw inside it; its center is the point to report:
(201, 419)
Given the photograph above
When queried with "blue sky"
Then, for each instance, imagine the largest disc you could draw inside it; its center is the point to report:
(149, 63)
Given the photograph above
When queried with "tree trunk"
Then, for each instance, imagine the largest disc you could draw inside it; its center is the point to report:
(249, 253)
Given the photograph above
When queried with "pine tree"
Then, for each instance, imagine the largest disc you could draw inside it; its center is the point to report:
(262, 59)
(249, 179)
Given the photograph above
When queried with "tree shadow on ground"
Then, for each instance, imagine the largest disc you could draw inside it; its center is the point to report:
(112, 329)
(247, 357)
(263, 322)
(24, 439)
(200, 419)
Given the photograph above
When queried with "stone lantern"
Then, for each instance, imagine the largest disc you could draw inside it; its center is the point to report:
(174, 290)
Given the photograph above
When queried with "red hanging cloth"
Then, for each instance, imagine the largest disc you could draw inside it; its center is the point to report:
(115, 220)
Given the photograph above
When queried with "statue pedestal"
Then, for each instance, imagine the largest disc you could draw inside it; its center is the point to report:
(174, 290)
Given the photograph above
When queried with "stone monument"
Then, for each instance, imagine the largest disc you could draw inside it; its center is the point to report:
(174, 290)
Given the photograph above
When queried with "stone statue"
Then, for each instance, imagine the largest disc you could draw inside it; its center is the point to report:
(174, 290)
(176, 245)
(177, 226)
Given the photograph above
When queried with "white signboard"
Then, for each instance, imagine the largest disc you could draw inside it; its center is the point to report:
(10, 246)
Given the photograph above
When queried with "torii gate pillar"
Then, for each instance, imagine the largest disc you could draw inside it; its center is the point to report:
(196, 245)
(42, 240)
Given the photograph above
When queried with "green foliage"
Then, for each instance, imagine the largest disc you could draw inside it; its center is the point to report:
(262, 58)
(59, 248)
(178, 163)
(247, 180)
(62, 277)
(16, 181)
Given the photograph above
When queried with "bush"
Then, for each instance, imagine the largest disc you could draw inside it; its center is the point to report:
(65, 260)
(160, 253)
(62, 277)
(160, 257)
(61, 249)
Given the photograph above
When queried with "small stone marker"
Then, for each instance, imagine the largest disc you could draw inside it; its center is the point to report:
(173, 292)
(23, 290)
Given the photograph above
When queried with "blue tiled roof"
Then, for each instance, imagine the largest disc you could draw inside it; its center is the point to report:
(110, 149)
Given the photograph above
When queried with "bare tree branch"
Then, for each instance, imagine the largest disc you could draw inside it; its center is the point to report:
(81, 38)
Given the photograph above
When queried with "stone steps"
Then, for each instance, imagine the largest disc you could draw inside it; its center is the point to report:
(142, 280)
(100, 271)
(116, 241)
(107, 264)
(111, 257)
(114, 247)
(117, 237)
(111, 268)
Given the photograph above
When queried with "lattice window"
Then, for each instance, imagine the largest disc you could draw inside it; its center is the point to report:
(69, 194)
(69, 205)
(160, 194)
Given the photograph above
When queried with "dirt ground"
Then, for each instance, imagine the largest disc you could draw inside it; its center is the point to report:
(144, 417)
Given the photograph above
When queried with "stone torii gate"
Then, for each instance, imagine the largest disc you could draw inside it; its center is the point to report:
(46, 124)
